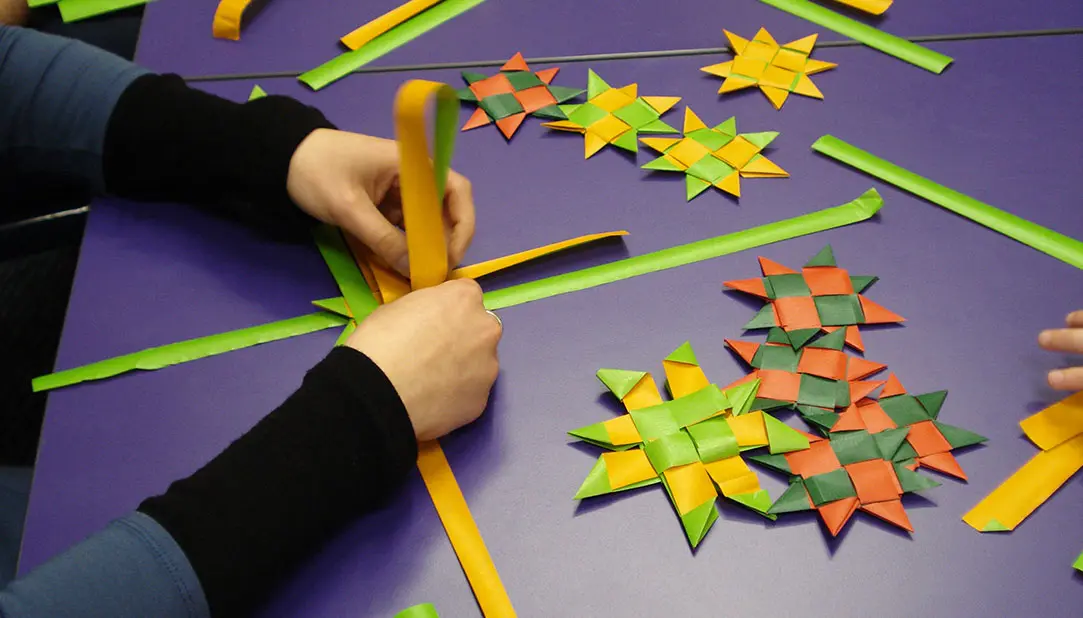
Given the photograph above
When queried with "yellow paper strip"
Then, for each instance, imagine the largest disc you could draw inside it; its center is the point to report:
(1027, 489)
(1059, 422)
(227, 19)
(463, 533)
(874, 7)
(422, 178)
(481, 269)
(385, 22)
(684, 378)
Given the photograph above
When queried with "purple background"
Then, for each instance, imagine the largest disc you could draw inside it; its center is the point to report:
(293, 35)
(1002, 125)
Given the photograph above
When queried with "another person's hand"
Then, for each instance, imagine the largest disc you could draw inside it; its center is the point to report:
(438, 348)
(352, 181)
(1068, 340)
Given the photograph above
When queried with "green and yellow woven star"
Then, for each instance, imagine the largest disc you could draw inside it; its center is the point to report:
(614, 116)
(717, 156)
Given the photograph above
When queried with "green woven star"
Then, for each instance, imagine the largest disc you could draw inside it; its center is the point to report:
(614, 116)
(717, 156)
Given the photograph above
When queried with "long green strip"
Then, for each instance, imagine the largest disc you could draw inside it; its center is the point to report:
(1078, 563)
(343, 65)
(75, 10)
(344, 269)
(860, 209)
(878, 39)
(184, 351)
(1041, 238)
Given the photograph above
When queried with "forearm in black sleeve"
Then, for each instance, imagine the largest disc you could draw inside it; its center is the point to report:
(337, 448)
(168, 142)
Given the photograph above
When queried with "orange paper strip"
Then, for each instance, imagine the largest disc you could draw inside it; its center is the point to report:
(228, 18)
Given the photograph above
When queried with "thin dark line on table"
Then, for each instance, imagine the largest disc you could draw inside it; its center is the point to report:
(662, 53)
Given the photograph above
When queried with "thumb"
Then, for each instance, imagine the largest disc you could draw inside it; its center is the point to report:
(367, 223)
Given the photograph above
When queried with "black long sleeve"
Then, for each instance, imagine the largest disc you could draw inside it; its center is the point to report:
(168, 142)
(337, 448)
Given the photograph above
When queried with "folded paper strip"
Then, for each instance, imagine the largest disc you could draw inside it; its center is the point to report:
(1058, 432)
(714, 156)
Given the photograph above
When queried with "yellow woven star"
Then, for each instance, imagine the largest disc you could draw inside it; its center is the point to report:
(777, 70)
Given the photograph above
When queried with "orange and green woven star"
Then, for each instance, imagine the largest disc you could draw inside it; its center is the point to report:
(614, 116)
(515, 92)
(777, 69)
(717, 156)
(691, 444)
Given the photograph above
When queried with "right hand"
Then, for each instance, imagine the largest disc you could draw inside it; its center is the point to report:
(1068, 340)
(438, 348)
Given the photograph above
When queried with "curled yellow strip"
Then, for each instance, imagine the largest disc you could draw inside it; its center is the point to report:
(873, 7)
(422, 180)
(488, 267)
(385, 22)
(227, 19)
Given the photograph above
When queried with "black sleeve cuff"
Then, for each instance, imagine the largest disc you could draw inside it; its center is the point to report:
(337, 448)
(168, 142)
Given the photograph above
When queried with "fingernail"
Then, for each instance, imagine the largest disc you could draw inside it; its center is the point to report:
(1045, 338)
(1056, 378)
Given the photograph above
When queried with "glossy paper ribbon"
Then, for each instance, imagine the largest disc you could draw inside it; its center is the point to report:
(423, 177)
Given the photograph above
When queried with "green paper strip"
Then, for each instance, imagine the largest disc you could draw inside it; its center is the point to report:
(1078, 563)
(857, 210)
(346, 332)
(344, 269)
(1041, 238)
(878, 39)
(192, 349)
(334, 305)
(425, 610)
(347, 63)
(75, 10)
(36, 3)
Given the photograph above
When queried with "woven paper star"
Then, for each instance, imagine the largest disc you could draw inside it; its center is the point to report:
(815, 379)
(716, 156)
(507, 97)
(614, 116)
(691, 444)
(777, 70)
(869, 458)
(821, 297)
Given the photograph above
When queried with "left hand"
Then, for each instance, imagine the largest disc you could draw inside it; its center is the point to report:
(1066, 340)
(352, 181)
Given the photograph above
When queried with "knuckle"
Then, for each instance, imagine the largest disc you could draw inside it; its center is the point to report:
(466, 289)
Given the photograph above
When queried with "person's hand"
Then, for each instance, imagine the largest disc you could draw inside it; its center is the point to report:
(352, 181)
(13, 12)
(438, 348)
(1068, 340)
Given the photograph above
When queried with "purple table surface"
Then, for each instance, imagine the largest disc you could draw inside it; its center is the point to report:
(297, 36)
(974, 302)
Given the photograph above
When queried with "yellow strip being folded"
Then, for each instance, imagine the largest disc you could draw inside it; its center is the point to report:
(1027, 489)
(874, 7)
(1059, 422)
(385, 22)
(227, 19)
(422, 180)
(488, 267)
(463, 533)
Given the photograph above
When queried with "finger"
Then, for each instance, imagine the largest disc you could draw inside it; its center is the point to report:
(1062, 340)
(1070, 379)
(365, 222)
(1075, 319)
(460, 213)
